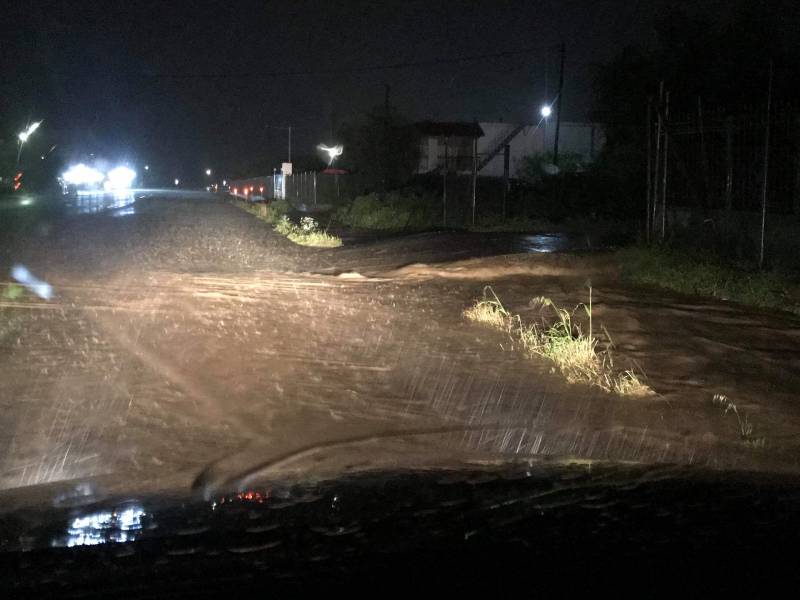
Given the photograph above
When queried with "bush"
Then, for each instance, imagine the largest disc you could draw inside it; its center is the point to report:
(276, 210)
(395, 211)
(535, 167)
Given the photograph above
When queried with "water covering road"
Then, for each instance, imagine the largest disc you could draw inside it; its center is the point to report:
(183, 330)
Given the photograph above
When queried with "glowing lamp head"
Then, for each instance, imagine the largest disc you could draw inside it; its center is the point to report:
(546, 110)
(177, 181)
(333, 152)
(24, 135)
(208, 171)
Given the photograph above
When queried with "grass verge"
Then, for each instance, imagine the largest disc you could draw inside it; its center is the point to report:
(704, 275)
(560, 339)
(307, 233)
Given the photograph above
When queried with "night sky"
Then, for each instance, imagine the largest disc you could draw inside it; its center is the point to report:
(186, 85)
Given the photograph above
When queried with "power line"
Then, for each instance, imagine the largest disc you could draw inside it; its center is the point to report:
(362, 69)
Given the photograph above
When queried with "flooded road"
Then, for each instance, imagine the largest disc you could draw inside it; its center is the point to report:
(182, 330)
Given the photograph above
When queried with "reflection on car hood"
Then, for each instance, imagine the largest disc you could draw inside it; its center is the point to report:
(294, 530)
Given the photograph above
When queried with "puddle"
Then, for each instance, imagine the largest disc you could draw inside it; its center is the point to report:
(548, 242)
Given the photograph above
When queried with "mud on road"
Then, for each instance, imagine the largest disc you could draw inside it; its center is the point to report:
(188, 331)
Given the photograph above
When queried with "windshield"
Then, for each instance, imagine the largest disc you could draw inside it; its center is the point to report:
(236, 234)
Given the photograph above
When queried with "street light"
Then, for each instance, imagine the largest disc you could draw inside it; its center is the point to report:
(23, 136)
(177, 181)
(147, 167)
(546, 110)
(208, 172)
(333, 152)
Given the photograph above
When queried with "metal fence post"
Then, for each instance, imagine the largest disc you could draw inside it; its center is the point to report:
(766, 169)
(474, 175)
(649, 168)
(666, 162)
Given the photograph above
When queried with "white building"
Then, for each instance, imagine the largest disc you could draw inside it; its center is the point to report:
(455, 141)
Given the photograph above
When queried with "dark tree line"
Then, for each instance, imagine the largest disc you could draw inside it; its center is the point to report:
(723, 60)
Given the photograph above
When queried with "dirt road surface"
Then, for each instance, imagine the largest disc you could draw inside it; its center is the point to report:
(184, 330)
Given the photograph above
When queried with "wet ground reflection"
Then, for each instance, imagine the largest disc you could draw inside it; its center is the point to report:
(119, 525)
(85, 203)
(549, 242)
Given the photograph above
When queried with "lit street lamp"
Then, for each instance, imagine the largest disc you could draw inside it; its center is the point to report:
(208, 172)
(177, 181)
(546, 110)
(333, 152)
(23, 136)
(147, 167)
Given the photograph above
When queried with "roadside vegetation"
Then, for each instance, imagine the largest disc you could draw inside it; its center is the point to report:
(702, 274)
(306, 233)
(559, 338)
(396, 211)
(746, 429)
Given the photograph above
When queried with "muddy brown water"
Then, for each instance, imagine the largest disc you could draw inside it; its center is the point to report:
(185, 331)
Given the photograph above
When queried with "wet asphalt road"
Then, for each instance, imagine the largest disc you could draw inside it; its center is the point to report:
(183, 330)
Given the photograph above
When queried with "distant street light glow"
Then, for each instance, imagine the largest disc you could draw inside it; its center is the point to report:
(546, 110)
(333, 152)
(208, 172)
(147, 167)
(177, 181)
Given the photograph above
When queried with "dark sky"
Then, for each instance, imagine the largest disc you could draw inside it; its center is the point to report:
(192, 84)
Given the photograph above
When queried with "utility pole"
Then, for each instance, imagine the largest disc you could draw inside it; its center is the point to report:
(560, 104)
(290, 143)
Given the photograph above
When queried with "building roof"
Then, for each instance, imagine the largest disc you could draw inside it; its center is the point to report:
(451, 128)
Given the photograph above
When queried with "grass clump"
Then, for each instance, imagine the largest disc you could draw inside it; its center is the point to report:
(560, 339)
(270, 213)
(746, 430)
(489, 311)
(700, 274)
(307, 233)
